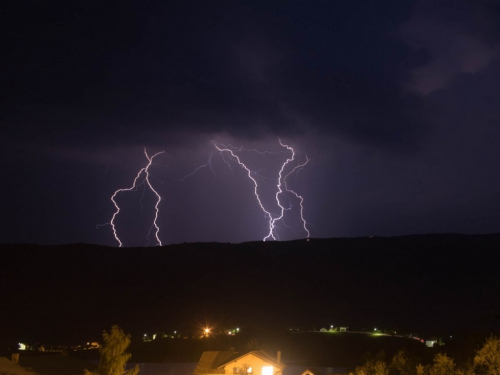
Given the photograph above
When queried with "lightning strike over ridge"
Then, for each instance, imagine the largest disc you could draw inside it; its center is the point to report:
(298, 167)
(274, 220)
(281, 184)
(236, 157)
(145, 171)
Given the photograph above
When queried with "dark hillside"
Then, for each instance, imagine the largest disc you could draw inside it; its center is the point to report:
(338, 349)
(433, 284)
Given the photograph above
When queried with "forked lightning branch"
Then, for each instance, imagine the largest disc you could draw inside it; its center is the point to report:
(273, 215)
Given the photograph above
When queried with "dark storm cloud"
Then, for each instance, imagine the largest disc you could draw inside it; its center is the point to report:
(394, 102)
(88, 72)
(459, 36)
(451, 185)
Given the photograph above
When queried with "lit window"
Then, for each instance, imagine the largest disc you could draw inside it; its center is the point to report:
(249, 370)
(267, 370)
(236, 370)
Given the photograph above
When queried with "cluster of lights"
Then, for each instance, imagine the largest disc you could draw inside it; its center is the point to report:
(57, 348)
(207, 331)
(233, 332)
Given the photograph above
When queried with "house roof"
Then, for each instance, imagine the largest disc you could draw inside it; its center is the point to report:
(9, 367)
(213, 362)
(258, 353)
(210, 361)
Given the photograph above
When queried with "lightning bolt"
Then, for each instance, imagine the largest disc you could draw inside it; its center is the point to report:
(145, 171)
(239, 149)
(207, 164)
(272, 224)
(249, 172)
(281, 184)
(297, 168)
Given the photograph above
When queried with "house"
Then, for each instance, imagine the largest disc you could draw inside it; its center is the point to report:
(256, 362)
(12, 367)
(433, 341)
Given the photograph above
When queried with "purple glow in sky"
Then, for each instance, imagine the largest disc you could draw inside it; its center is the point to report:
(395, 105)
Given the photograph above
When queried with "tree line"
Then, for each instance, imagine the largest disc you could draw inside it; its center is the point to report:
(486, 362)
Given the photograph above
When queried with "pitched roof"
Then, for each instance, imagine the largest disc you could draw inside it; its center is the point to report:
(258, 353)
(210, 361)
(8, 367)
(213, 362)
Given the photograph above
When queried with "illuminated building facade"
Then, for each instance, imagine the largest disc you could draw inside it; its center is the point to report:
(230, 363)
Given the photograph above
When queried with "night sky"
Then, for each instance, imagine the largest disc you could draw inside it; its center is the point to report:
(395, 103)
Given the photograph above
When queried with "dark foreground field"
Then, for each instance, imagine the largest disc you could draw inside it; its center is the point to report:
(338, 350)
(433, 285)
(308, 349)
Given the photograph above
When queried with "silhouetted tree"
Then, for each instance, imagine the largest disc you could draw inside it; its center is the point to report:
(487, 359)
(113, 354)
(401, 364)
(443, 365)
(375, 365)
